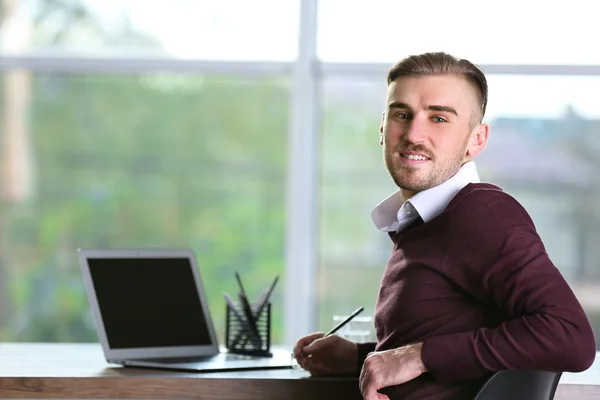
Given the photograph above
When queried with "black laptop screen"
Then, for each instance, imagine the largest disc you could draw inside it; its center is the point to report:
(148, 302)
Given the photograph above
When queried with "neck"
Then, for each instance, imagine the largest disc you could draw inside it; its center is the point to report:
(407, 195)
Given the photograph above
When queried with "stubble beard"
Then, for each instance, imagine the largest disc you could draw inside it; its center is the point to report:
(414, 179)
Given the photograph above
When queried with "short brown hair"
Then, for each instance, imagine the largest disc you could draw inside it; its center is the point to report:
(441, 64)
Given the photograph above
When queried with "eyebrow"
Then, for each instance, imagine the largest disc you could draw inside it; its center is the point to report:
(451, 110)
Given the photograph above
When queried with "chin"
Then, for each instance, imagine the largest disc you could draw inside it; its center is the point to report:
(411, 183)
(407, 184)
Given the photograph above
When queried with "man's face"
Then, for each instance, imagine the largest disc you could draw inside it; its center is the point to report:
(427, 130)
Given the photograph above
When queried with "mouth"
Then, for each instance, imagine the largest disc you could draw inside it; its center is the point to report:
(414, 156)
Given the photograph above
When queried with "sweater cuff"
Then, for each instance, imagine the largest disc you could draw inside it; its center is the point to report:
(450, 357)
(363, 351)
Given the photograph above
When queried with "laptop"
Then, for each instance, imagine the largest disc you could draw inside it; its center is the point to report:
(150, 310)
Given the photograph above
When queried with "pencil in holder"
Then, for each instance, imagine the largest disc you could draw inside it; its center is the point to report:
(241, 339)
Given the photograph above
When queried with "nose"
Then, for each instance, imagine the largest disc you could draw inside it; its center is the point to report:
(415, 131)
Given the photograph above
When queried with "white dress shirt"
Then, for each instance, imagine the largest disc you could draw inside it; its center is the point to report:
(394, 214)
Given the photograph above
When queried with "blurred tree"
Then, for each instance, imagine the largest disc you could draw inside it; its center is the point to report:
(129, 162)
(140, 161)
(75, 23)
(13, 144)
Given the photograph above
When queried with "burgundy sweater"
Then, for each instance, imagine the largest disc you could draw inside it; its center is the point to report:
(476, 286)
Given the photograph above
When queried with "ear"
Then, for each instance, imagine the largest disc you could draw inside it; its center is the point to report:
(478, 141)
(381, 129)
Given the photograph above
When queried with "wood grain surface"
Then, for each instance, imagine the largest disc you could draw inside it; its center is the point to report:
(67, 371)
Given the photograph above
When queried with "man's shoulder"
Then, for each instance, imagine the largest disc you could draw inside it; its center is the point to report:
(484, 199)
(479, 190)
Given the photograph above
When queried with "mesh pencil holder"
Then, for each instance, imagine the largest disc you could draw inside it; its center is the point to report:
(240, 339)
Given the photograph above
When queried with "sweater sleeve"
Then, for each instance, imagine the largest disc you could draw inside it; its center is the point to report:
(503, 263)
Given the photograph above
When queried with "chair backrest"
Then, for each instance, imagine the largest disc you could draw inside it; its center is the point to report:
(520, 385)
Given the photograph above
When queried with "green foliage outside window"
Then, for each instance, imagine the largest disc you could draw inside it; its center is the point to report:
(144, 161)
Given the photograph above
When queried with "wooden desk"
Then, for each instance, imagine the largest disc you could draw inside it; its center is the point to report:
(70, 371)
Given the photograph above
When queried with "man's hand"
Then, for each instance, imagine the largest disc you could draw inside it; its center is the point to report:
(389, 368)
(331, 355)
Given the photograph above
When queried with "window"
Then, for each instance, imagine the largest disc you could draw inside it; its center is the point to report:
(211, 30)
(500, 32)
(94, 140)
(136, 161)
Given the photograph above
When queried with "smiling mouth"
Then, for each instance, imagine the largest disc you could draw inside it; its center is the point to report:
(414, 157)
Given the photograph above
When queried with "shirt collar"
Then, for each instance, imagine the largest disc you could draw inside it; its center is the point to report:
(393, 213)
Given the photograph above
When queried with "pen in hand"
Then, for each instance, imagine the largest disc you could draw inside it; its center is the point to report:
(339, 326)
(344, 322)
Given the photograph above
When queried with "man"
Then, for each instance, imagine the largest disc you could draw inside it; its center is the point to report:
(469, 288)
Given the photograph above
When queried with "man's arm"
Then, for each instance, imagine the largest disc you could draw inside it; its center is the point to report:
(505, 264)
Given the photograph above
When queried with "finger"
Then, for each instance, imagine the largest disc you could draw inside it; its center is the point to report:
(361, 379)
(370, 389)
(298, 352)
(317, 345)
(305, 341)
(364, 374)
(304, 361)
(373, 394)
(364, 381)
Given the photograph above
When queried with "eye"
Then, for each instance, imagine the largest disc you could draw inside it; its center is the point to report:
(439, 120)
(402, 115)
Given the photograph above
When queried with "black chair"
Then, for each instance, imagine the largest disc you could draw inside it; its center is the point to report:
(520, 385)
